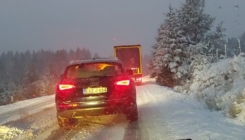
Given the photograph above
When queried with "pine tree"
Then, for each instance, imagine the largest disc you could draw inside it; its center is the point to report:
(88, 54)
(242, 40)
(2, 70)
(168, 53)
(215, 41)
(194, 22)
(96, 55)
(232, 47)
(79, 53)
(72, 55)
(31, 74)
(17, 69)
(145, 64)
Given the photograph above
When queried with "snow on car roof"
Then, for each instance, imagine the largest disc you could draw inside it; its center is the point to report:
(73, 62)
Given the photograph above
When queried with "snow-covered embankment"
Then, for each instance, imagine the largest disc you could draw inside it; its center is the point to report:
(221, 86)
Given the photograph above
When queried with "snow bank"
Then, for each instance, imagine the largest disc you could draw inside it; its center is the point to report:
(9, 133)
(221, 86)
(24, 104)
(21, 109)
(148, 79)
(171, 115)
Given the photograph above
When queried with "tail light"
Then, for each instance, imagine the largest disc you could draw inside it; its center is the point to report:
(66, 86)
(123, 82)
(122, 87)
(138, 79)
(65, 89)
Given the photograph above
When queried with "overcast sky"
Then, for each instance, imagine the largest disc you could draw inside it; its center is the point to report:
(97, 24)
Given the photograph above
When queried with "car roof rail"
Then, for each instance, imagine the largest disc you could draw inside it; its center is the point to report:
(77, 61)
(105, 58)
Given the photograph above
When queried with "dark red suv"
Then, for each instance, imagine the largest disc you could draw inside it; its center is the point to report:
(95, 87)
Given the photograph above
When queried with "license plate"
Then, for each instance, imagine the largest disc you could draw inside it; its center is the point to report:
(94, 90)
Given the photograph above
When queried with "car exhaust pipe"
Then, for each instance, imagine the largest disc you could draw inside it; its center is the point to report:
(74, 115)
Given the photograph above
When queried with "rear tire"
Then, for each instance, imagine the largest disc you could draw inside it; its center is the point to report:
(67, 122)
(132, 115)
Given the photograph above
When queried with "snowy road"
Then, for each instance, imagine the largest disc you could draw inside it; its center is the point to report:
(163, 115)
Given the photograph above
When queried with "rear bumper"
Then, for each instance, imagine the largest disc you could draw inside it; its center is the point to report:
(78, 113)
(108, 107)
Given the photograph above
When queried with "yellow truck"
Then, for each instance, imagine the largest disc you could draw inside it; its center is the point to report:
(131, 57)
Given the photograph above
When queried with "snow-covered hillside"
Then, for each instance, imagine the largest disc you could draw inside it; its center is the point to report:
(221, 86)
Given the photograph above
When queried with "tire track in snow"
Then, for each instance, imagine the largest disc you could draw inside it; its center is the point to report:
(91, 128)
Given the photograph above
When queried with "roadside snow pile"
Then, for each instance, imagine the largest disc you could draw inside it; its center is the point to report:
(9, 133)
(22, 109)
(221, 86)
(148, 79)
(24, 103)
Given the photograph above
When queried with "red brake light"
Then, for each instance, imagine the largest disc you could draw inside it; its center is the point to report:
(138, 79)
(66, 86)
(123, 82)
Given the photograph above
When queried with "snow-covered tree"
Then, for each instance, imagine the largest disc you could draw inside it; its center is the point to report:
(194, 52)
(168, 55)
(145, 64)
(194, 22)
(242, 41)
(232, 47)
(216, 42)
(96, 55)
(31, 74)
(46, 83)
(2, 69)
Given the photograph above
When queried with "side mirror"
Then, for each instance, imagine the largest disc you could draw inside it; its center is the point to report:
(130, 72)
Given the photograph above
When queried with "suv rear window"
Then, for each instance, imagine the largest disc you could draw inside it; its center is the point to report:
(93, 69)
